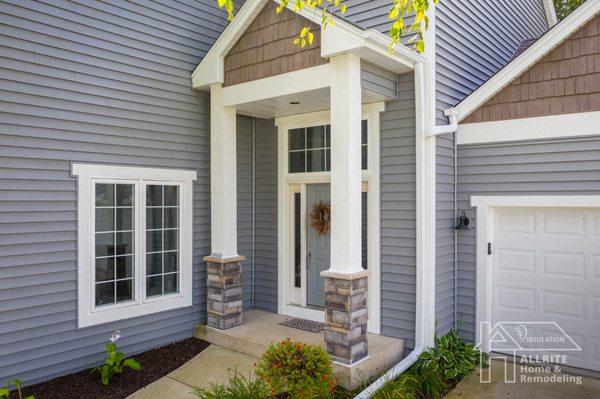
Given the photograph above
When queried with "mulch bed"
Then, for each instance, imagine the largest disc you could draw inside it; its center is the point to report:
(156, 363)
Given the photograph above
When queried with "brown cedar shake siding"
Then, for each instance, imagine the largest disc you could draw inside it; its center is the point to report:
(566, 80)
(267, 47)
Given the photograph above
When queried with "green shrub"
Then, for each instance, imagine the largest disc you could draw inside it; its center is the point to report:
(115, 361)
(239, 388)
(16, 385)
(297, 370)
(436, 371)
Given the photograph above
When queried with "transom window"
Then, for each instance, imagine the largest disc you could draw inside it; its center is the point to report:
(135, 241)
(310, 149)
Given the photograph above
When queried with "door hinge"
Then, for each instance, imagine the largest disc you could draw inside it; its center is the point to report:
(489, 248)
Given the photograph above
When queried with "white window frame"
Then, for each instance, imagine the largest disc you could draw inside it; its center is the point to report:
(89, 174)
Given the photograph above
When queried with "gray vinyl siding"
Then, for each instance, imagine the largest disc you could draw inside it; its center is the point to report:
(92, 82)
(551, 167)
(265, 262)
(378, 80)
(245, 165)
(398, 227)
(474, 39)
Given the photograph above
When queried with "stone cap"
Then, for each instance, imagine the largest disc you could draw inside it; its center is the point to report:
(341, 275)
(231, 259)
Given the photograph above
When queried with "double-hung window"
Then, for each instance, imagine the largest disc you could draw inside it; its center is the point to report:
(134, 241)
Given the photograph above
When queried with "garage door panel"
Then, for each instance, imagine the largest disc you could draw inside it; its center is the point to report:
(563, 224)
(522, 261)
(563, 264)
(562, 304)
(546, 268)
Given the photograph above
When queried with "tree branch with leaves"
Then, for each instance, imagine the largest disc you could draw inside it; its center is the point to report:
(400, 14)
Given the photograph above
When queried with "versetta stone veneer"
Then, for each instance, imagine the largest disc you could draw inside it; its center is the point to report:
(346, 316)
(224, 298)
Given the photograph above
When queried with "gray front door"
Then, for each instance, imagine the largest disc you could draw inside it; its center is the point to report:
(318, 247)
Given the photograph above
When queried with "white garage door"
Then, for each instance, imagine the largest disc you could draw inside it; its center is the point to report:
(547, 269)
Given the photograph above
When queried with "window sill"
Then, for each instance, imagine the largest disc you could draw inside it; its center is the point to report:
(133, 309)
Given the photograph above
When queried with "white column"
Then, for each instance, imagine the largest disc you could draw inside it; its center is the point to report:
(223, 176)
(346, 229)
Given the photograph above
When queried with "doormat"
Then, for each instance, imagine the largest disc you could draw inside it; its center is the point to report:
(304, 325)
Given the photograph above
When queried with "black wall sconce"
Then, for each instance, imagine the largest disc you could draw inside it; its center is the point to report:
(463, 223)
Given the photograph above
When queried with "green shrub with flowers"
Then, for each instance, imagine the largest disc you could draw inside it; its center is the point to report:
(297, 370)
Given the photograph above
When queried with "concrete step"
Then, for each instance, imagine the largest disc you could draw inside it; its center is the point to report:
(260, 329)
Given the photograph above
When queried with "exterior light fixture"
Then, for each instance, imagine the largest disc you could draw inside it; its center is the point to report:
(463, 223)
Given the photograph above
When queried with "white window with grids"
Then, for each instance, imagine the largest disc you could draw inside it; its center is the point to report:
(134, 241)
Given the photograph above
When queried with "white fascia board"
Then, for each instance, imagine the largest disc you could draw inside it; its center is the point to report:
(307, 79)
(537, 128)
(553, 201)
(528, 58)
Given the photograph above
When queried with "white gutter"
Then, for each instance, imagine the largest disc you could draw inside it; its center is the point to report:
(426, 132)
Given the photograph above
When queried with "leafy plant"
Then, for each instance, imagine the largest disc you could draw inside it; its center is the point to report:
(115, 361)
(239, 388)
(297, 370)
(16, 384)
(436, 371)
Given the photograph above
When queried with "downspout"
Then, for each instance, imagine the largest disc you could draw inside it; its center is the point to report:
(426, 129)
(253, 206)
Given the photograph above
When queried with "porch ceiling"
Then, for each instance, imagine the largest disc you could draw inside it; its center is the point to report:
(298, 103)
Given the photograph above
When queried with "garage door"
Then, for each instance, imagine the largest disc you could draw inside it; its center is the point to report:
(547, 269)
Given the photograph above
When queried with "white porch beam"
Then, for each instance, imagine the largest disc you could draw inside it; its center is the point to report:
(345, 165)
(223, 187)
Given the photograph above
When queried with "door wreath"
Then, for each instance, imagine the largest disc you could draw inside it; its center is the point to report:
(320, 217)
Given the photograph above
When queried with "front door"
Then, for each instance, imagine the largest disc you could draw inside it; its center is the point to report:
(318, 247)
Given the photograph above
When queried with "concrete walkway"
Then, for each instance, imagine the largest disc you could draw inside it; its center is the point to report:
(213, 365)
(526, 387)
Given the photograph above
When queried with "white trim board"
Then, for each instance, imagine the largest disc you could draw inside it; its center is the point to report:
(287, 183)
(525, 60)
(485, 226)
(537, 128)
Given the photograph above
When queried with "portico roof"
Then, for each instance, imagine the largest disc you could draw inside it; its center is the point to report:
(339, 38)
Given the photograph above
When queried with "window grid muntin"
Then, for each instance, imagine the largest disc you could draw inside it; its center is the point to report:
(114, 280)
(148, 277)
(364, 160)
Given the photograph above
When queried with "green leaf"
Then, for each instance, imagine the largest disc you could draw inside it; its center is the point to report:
(343, 8)
(394, 13)
(304, 32)
(132, 364)
(310, 37)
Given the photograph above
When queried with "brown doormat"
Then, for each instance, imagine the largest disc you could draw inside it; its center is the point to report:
(304, 325)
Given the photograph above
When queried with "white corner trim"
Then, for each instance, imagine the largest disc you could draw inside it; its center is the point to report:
(529, 57)
(550, 11)
(537, 128)
(86, 175)
(303, 80)
(484, 234)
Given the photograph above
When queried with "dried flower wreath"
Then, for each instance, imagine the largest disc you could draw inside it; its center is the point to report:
(320, 217)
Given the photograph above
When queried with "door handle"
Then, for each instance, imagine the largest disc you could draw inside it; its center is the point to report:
(309, 254)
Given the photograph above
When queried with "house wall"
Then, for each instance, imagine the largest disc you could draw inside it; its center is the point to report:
(549, 167)
(566, 80)
(265, 279)
(398, 214)
(93, 82)
(474, 39)
(245, 187)
(267, 47)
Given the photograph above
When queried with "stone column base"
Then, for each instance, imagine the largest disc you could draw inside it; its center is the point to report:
(224, 298)
(346, 316)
